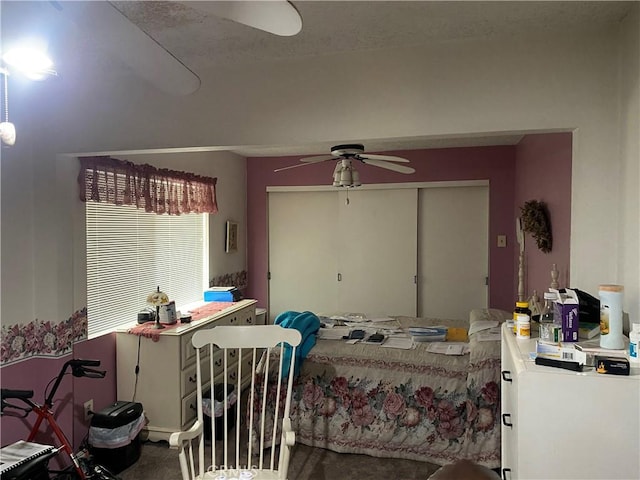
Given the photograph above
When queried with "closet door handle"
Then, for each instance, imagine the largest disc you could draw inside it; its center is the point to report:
(506, 423)
(506, 376)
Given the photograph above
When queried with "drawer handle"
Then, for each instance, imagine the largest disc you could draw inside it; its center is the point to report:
(504, 473)
(218, 362)
(504, 420)
(193, 379)
(249, 320)
(506, 376)
(233, 376)
(233, 353)
(192, 406)
(232, 320)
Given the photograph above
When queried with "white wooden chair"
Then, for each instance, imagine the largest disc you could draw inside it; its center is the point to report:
(230, 356)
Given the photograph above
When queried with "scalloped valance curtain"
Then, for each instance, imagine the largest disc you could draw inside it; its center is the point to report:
(157, 190)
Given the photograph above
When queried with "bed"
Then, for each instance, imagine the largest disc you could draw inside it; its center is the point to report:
(409, 404)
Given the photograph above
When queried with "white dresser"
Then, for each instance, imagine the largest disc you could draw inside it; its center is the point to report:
(166, 382)
(559, 424)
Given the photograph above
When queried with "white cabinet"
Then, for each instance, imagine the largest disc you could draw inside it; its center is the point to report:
(166, 381)
(559, 424)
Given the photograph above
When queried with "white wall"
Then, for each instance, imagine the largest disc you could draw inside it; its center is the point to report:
(629, 255)
(586, 84)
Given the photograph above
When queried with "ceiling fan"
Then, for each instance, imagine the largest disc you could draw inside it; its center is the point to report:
(109, 26)
(345, 173)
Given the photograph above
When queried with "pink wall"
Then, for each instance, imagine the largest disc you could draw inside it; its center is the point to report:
(34, 374)
(543, 173)
(497, 164)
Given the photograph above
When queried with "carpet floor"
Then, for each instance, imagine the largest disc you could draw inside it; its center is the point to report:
(159, 462)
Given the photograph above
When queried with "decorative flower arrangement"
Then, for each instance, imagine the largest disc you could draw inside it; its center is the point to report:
(535, 220)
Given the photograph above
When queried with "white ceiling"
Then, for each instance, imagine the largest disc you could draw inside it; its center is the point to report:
(203, 41)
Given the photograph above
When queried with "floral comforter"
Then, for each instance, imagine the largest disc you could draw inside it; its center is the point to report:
(409, 404)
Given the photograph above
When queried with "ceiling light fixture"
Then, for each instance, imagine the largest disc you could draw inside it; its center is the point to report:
(35, 65)
(345, 175)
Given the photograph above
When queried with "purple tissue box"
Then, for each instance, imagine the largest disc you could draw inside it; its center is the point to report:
(566, 309)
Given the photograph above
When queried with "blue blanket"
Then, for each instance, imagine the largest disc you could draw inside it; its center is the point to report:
(308, 325)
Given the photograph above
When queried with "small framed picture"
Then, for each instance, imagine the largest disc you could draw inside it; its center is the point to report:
(231, 244)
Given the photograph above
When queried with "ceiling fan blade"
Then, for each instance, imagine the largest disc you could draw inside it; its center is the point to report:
(292, 166)
(388, 165)
(317, 158)
(274, 16)
(388, 158)
(107, 26)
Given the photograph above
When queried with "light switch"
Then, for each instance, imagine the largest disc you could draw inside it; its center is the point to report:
(502, 240)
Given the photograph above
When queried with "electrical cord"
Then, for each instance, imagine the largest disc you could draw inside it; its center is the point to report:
(137, 370)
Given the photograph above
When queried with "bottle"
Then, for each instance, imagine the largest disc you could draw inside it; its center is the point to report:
(611, 316)
(521, 307)
(549, 331)
(546, 316)
(634, 343)
(523, 325)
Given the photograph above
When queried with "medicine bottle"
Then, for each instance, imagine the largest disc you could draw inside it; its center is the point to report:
(634, 343)
(523, 326)
(521, 307)
(611, 316)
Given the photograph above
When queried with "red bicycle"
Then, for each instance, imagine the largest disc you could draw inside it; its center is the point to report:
(81, 468)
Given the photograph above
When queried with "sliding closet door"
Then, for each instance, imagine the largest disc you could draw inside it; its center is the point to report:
(453, 251)
(302, 252)
(377, 245)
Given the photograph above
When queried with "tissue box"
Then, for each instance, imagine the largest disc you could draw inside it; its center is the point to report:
(566, 308)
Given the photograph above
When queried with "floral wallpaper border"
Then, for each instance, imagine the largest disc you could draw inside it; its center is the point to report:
(42, 338)
(45, 338)
(236, 279)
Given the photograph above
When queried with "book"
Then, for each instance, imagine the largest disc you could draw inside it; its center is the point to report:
(19, 453)
(588, 330)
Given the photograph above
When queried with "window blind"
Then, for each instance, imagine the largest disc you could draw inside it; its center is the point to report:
(131, 252)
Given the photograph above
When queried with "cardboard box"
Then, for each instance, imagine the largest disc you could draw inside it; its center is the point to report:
(560, 352)
(566, 309)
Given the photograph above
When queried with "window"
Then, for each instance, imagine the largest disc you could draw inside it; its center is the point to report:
(131, 252)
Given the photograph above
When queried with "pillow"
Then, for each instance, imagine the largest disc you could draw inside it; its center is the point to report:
(484, 314)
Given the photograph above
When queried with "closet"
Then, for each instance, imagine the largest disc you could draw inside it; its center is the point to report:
(377, 250)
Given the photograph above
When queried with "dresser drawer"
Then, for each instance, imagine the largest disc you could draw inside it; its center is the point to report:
(189, 409)
(190, 379)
